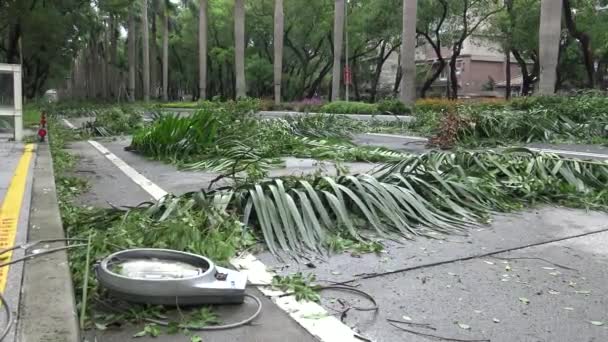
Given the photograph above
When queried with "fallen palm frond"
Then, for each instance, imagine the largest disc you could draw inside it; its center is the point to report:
(435, 192)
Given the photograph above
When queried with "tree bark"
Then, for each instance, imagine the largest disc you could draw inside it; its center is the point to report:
(146, 50)
(453, 88)
(408, 53)
(528, 78)
(508, 74)
(584, 39)
(278, 49)
(202, 50)
(549, 38)
(131, 57)
(437, 48)
(379, 63)
(338, 40)
(115, 80)
(165, 53)
(239, 51)
(153, 52)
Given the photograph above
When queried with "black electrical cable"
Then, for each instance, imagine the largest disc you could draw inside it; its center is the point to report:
(48, 251)
(362, 293)
(34, 243)
(218, 327)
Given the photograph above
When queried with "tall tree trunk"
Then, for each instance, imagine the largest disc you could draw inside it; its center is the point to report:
(508, 74)
(356, 79)
(408, 53)
(377, 72)
(549, 38)
(398, 76)
(146, 50)
(202, 50)
(115, 80)
(278, 49)
(239, 51)
(131, 51)
(153, 52)
(509, 6)
(103, 60)
(338, 39)
(584, 39)
(453, 88)
(165, 53)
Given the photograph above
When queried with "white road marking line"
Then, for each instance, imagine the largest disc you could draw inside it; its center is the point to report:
(69, 124)
(323, 326)
(399, 136)
(154, 190)
(572, 153)
(320, 323)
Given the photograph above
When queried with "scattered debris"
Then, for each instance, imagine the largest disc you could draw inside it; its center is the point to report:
(318, 315)
(535, 258)
(464, 326)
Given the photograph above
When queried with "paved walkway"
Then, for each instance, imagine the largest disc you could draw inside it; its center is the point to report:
(16, 164)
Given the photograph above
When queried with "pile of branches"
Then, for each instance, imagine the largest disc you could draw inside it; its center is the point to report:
(420, 195)
(211, 139)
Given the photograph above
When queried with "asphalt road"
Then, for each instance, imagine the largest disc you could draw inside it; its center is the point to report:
(537, 275)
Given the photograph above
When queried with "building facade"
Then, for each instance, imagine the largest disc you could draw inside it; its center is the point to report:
(480, 68)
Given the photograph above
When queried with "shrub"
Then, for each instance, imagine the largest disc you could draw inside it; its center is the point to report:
(393, 106)
(435, 105)
(343, 107)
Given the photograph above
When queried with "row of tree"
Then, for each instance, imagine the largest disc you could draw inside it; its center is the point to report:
(291, 49)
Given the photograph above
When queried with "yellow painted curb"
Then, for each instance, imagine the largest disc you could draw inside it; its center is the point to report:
(11, 209)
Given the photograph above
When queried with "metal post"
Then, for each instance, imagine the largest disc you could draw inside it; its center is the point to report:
(18, 103)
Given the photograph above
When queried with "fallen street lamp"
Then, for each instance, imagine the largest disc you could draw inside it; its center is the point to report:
(168, 277)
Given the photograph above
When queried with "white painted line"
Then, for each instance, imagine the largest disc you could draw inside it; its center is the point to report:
(69, 124)
(570, 153)
(154, 190)
(399, 136)
(319, 323)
